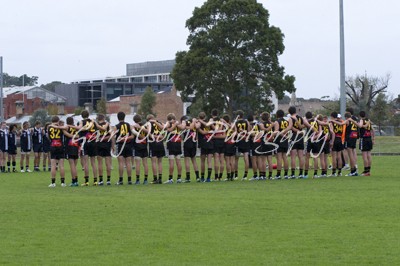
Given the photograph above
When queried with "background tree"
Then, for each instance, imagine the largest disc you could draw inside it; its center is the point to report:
(362, 90)
(101, 106)
(380, 111)
(232, 60)
(51, 86)
(78, 110)
(147, 103)
(9, 81)
(40, 115)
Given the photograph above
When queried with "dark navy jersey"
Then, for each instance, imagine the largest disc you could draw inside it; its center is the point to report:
(46, 141)
(3, 140)
(26, 139)
(12, 141)
(37, 136)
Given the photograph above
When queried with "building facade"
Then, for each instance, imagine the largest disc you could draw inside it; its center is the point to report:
(139, 77)
(167, 101)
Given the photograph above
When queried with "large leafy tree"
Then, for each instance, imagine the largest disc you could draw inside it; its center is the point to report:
(147, 103)
(363, 90)
(233, 57)
(40, 115)
(19, 81)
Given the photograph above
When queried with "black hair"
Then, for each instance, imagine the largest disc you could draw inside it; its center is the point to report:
(280, 113)
(70, 120)
(55, 119)
(334, 114)
(121, 116)
(85, 114)
(137, 118)
(240, 113)
(309, 115)
(350, 110)
(292, 110)
(363, 114)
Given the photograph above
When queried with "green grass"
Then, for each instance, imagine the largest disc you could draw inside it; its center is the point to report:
(343, 220)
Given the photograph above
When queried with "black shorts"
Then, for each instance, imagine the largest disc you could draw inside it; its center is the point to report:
(350, 143)
(174, 148)
(156, 146)
(298, 145)
(72, 151)
(90, 149)
(243, 146)
(141, 153)
(104, 149)
(337, 144)
(12, 151)
(256, 148)
(283, 145)
(230, 149)
(326, 148)
(46, 147)
(57, 153)
(219, 146)
(189, 152)
(157, 153)
(124, 150)
(205, 151)
(71, 157)
(37, 148)
(267, 149)
(313, 147)
(366, 144)
(25, 149)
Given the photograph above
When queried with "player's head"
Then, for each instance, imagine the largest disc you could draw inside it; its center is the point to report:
(70, 121)
(55, 119)
(334, 115)
(250, 118)
(3, 125)
(61, 123)
(292, 110)
(214, 112)
(265, 116)
(184, 118)
(362, 114)
(149, 117)
(137, 118)
(25, 125)
(227, 118)
(13, 127)
(280, 113)
(85, 114)
(121, 116)
(100, 117)
(171, 117)
(347, 115)
(325, 118)
(202, 115)
(240, 114)
(350, 110)
(309, 115)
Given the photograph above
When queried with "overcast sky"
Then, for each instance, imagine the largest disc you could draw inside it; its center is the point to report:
(68, 40)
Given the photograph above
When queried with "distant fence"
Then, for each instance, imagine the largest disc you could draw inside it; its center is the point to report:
(386, 131)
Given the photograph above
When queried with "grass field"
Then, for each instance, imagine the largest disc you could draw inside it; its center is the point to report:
(342, 220)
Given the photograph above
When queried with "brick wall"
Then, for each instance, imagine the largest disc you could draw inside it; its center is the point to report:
(167, 102)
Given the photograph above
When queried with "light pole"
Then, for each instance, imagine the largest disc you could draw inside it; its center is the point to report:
(342, 62)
